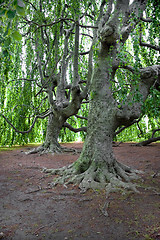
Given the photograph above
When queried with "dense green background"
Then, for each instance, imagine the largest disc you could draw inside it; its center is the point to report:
(18, 101)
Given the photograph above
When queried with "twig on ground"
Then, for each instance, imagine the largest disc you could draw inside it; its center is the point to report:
(33, 191)
(40, 228)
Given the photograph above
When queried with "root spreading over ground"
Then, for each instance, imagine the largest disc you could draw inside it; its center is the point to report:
(54, 148)
(106, 177)
(111, 178)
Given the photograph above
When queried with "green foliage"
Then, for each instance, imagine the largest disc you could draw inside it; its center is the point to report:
(19, 99)
(16, 35)
(9, 17)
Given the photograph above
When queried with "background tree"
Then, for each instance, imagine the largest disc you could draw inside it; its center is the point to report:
(121, 82)
(53, 50)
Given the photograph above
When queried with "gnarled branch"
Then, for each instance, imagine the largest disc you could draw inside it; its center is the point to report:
(29, 130)
(67, 125)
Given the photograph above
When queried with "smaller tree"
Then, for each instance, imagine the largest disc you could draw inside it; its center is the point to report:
(54, 74)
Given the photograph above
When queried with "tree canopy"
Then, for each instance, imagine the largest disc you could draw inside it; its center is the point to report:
(47, 54)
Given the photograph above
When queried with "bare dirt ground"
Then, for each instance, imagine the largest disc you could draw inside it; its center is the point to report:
(30, 210)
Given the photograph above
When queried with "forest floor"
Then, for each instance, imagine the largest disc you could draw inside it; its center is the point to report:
(30, 209)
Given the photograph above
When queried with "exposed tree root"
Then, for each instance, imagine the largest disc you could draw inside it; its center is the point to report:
(119, 176)
(111, 178)
(52, 148)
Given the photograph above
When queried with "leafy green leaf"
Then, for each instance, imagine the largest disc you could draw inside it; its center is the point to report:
(17, 36)
(2, 12)
(7, 42)
(7, 30)
(11, 14)
(20, 10)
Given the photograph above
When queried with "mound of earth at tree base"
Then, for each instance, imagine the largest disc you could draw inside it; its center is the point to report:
(30, 209)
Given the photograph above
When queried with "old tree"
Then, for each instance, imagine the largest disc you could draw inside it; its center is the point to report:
(97, 165)
(116, 74)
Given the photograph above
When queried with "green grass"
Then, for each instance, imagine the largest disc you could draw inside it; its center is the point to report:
(15, 147)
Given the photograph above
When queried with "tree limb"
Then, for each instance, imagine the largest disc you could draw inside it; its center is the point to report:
(129, 22)
(158, 129)
(146, 19)
(126, 126)
(31, 4)
(150, 140)
(21, 79)
(81, 117)
(75, 56)
(67, 125)
(147, 77)
(29, 130)
(143, 44)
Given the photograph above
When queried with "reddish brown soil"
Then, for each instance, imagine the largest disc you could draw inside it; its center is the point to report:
(30, 210)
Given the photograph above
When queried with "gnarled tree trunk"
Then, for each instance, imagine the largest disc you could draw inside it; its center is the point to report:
(54, 126)
(97, 166)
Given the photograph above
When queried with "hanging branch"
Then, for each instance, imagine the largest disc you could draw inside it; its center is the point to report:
(145, 143)
(31, 4)
(123, 128)
(143, 44)
(21, 79)
(81, 117)
(67, 125)
(29, 130)
(146, 19)
(141, 132)
(76, 55)
(158, 129)
(56, 22)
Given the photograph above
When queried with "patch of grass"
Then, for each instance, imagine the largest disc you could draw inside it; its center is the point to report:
(147, 237)
(16, 147)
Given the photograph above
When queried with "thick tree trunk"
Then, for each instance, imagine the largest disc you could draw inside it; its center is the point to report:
(55, 124)
(97, 159)
(97, 154)
(53, 130)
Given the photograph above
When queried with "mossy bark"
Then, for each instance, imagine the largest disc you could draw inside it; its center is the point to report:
(97, 162)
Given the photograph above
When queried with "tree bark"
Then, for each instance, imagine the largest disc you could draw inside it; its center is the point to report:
(54, 127)
(51, 144)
